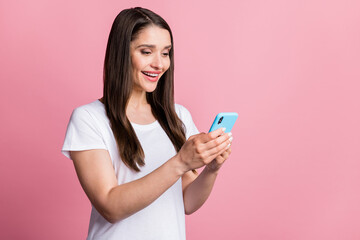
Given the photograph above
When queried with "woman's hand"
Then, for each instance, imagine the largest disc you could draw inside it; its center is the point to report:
(203, 148)
(196, 189)
(216, 164)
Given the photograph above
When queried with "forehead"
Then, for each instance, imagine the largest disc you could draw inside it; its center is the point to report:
(152, 35)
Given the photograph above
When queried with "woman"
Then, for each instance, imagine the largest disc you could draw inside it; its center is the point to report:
(129, 148)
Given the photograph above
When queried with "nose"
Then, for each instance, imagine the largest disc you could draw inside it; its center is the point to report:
(157, 62)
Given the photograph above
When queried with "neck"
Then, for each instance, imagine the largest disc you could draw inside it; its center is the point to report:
(137, 100)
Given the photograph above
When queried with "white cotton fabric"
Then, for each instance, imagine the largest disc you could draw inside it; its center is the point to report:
(89, 128)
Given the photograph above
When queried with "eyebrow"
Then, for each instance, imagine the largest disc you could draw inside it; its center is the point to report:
(152, 46)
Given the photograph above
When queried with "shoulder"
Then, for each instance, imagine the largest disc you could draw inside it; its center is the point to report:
(185, 116)
(182, 112)
(87, 111)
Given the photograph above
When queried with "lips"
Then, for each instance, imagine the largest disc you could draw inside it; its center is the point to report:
(152, 76)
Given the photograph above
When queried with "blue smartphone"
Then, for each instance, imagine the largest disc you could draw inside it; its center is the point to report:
(224, 119)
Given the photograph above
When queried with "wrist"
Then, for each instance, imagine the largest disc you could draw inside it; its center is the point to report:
(211, 169)
(179, 165)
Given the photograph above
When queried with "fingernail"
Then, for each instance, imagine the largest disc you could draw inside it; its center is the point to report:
(230, 134)
(228, 146)
(230, 139)
(223, 129)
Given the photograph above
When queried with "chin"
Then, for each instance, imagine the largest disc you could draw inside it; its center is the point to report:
(150, 88)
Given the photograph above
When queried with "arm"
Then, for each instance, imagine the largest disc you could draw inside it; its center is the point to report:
(114, 202)
(197, 188)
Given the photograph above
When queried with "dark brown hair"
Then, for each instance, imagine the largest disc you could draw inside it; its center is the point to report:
(118, 84)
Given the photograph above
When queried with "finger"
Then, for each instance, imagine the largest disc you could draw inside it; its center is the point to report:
(229, 150)
(206, 137)
(219, 160)
(223, 157)
(225, 154)
(218, 141)
(214, 134)
(199, 139)
(217, 151)
(219, 148)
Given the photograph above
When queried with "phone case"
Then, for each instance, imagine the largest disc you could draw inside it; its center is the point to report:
(224, 119)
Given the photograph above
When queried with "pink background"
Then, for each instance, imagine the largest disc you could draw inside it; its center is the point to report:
(289, 68)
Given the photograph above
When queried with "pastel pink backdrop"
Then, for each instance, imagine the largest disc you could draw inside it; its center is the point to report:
(289, 68)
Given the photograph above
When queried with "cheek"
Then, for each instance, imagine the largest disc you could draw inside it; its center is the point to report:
(138, 63)
(167, 64)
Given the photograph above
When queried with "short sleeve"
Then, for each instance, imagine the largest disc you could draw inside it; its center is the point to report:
(186, 118)
(82, 133)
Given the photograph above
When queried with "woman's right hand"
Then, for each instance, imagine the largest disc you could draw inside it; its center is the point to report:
(202, 148)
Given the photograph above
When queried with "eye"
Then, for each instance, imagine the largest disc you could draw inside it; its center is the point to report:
(145, 52)
(166, 54)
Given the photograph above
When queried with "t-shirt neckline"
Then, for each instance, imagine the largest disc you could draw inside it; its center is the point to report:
(140, 126)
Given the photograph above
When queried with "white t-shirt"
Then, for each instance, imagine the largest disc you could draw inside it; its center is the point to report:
(89, 128)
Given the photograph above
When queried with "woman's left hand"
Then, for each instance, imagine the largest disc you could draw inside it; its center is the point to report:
(216, 164)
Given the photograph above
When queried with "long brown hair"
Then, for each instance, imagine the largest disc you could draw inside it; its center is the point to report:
(118, 84)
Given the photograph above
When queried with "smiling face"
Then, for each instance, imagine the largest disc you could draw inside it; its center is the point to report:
(149, 57)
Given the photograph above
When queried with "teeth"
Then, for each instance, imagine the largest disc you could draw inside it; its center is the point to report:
(150, 74)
